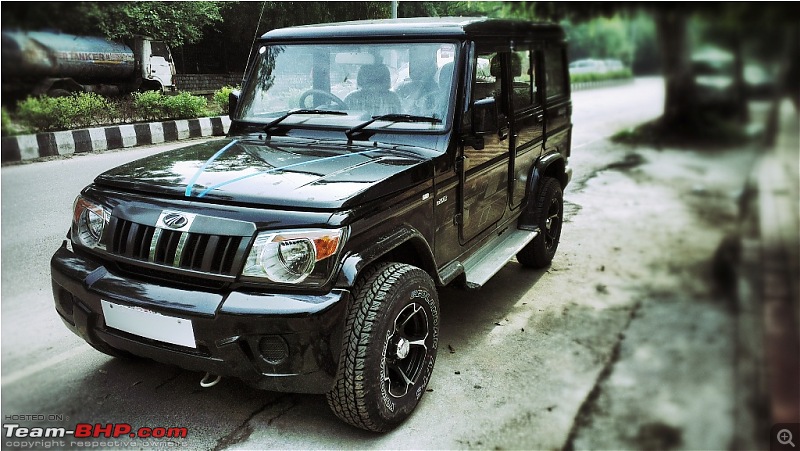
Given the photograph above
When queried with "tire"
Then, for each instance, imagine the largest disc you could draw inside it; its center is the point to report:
(548, 216)
(389, 347)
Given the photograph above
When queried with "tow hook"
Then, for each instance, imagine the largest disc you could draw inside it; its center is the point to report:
(207, 381)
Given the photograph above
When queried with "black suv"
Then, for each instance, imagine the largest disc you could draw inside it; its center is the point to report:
(367, 163)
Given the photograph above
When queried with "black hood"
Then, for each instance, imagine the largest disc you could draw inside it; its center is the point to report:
(282, 173)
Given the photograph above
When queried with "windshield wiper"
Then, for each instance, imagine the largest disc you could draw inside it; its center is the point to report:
(391, 117)
(268, 128)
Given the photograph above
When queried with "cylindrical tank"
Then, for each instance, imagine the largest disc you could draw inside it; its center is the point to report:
(45, 54)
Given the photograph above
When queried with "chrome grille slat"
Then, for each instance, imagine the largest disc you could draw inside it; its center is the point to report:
(195, 252)
(154, 245)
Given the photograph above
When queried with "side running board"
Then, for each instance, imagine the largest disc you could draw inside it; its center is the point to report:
(494, 255)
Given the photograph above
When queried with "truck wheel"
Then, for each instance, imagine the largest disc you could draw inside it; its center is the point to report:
(389, 347)
(548, 216)
(58, 93)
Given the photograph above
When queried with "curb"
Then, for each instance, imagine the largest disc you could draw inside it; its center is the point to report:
(30, 147)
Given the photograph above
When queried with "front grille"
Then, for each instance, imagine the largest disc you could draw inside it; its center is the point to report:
(212, 254)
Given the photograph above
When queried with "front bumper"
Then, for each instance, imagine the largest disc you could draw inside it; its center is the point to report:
(279, 342)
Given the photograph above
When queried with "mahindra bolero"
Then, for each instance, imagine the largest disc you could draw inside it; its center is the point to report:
(367, 163)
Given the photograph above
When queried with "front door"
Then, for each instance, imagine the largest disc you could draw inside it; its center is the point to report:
(484, 172)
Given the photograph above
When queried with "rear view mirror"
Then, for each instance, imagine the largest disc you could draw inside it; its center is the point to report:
(233, 102)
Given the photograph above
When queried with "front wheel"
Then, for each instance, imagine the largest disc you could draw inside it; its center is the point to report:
(548, 216)
(389, 348)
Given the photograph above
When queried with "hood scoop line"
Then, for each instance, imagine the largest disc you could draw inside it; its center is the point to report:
(294, 165)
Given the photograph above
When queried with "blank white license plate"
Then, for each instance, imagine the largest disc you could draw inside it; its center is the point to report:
(149, 324)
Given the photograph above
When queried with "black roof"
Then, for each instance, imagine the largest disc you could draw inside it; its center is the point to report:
(426, 27)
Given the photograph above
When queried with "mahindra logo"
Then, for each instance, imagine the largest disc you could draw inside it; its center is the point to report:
(175, 220)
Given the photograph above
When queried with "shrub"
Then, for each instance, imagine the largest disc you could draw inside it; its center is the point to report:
(60, 113)
(221, 98)
(6, 127)
(89, 109)
(589, 77)
(149, 105)
(184, 106)
(42, 113)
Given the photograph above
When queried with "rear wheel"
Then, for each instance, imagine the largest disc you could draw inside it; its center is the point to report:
(548, 216)
(389, 347)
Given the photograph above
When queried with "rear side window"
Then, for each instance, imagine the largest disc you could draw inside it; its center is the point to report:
(523, 69)
(555, 73)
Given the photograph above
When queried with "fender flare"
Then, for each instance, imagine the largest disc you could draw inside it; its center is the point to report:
(550, 165)
(354, 263)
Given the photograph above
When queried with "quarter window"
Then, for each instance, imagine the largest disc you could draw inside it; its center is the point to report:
(554, 65)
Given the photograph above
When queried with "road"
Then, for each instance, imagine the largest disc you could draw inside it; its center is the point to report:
(621, 343)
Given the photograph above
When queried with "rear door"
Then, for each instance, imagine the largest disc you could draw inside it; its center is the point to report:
(558, 107)
(485, 172)
(528, 123)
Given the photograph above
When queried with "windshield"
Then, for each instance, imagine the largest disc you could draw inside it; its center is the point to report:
(360, 80)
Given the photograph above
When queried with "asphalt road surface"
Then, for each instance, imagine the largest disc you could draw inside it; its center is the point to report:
(623, 342)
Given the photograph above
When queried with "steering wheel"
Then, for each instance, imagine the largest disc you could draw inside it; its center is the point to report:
(339, 102)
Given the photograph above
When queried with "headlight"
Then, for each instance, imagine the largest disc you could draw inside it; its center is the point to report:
(294, 257)
(88, 223)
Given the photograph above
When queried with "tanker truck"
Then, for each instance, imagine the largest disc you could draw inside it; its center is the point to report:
(43, 62)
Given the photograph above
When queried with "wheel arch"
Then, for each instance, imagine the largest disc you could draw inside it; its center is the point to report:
(404, 245)
(551, 165)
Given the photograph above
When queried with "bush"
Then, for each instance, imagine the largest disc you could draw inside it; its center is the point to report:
(222, 96)
(184, 106)
(42, 113)
(149, 105)
(6, 127)
(590, 77)
(59, 113)
(81, 110)
(89, 109)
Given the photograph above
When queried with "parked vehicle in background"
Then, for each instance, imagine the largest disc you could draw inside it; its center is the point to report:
(303, 252)
(588, 66)
(39, 62)
(614, 65)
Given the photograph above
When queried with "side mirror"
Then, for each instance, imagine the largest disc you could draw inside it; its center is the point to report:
(233, 102)
(485, 117)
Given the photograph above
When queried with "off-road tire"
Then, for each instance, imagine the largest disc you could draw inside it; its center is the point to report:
(366, 393)
(548, 216)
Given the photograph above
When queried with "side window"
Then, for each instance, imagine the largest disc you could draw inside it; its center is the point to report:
(554, 68)
(487, 83)
(487, 76)
(158, 48)
(523, 69)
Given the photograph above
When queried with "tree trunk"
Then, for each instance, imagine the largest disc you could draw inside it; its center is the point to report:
(673, 41)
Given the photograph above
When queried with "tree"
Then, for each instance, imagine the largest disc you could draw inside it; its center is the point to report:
(177, 23)
(173, 22)
(747, 21)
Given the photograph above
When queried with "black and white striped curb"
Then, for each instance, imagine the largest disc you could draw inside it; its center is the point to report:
(29, 147)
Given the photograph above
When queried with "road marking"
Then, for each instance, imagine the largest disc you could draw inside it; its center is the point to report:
(41, 366)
